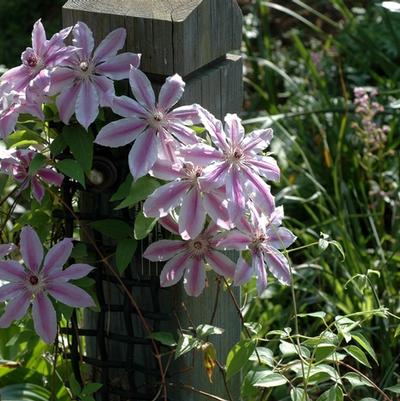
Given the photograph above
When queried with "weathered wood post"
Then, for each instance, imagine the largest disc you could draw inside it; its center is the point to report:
(193, 38)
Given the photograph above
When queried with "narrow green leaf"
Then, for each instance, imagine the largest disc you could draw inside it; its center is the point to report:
(72, 169)
(18, 138)
(113, 228)
(357, 354)
(363, 342)
(139, 191)
(266, 378)
(74, 385)
(323, 351)
(125, 250)
(394, 389)
(205, 330)
(356, 380)
(238, 356)
(164, 338)
(186, 343)
(91, 388)
(123, 190)
(80, 143)
(143, 225)
(37, 162)
(319, 314)
(58, 145)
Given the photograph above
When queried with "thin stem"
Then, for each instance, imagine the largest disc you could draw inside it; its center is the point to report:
(195, 390)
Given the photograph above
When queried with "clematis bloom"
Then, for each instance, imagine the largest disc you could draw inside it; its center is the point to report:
(33, 282)
(236, 163)
(18, 166)
(6, 249)
(86, 78)
(263, 236)
(188, 258)
(152, 126)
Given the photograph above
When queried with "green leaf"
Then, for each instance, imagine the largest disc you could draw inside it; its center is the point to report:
(238, 356)
(263, 355)
(363, 342)
(287, 348)
(266, 378)
(80, 144)
(113, 228)
(58, 145)
(87, 398)
(319, 314)
(357, 354)
(335, 393)
(394, 389)
(23, 137)
(123, 190)
(143, 225)
(126, 248)
(323, 351)
(139, 191)
(91, 388)
(297, 394)
(72, 169)
(37, 162)
(74, 385)
(24, 392)
(205, 330)
(185, 344)
(164, 338)
(356, 380)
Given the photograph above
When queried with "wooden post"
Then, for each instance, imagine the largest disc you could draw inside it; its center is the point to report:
(193, 38)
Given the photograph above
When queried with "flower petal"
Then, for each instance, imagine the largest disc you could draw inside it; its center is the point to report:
(243, 272)
(234, 240)
(105, 90)
(11, 271)
(83, 38)
(278, 265)
(171, 92)
(216, 207)
(120, 132)
(110, 45)
(118, 67)
(234, 128)
(260, 271)
(266, 167)
(214, 176)
(201, 154)
(16, 309)
(31, 248)
(61, 78)
(170, 224)
(188, 115)
(195, 277)
(257, 140)
(50, 176)
(37, 189)
(192, 215)
(165, 198)
(167, 171)
(6, 249)
(124, 106)
(7, 124)
(141, 88)
(87, 104)
(73, 272)
(11, 290)
(70, 294)
(57, 256)
(214, 128)
(38, 38)
(235, 194)
(66, 102)
(173, 270)
(44, 318)
(184, 134)
(280, 238)
(163, 250)
(143, 154)
(221, 264)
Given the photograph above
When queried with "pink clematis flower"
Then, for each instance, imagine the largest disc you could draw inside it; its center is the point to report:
(86, 79)
(6, 249)
(188, 258)
(185, 191)
(18, 166)
(12, 104)
(237, 163)
(263, 237)
(43, 55)
(34, 282)
(152, 126)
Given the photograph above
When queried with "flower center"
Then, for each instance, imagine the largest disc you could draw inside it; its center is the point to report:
(192, 172)
(33, 280)
(30, 58)
(156, 119)
(84, 66)
(199, 246)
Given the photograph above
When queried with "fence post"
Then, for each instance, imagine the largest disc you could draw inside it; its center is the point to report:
(192, 38)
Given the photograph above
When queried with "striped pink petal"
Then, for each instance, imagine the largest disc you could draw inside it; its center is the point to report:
(163, 250)
(171, 92)
(234, 128)
(166, 170)
(44, 318)
(66, 102)
(195, 277)
(7, 124)
(126, 107)
(31, 248)
(243, 272)
(201, 154)
(87, 104)
(73, 272)
(278, 265)
(11, 271)
(170, 224)
(280, 237)
(173, 269)
(11, 290)
(57, 256)
(214, 176)
(165, 198)
(234, 240)
(235, 194)
(83, 38)
(120, 132)
(110, 45)
(70, 294)
(260, 271)
(266, 167)
(216, 207)
(37, 189)
(61, 78)
(6, 249)
(118, 67)
(143, 154)
(38, 38)
(185, 114)
(192, 215)
(141, 88)
(221, 264)
(16, 309)
(257, 140)
(50, 176)
(105, 90)
(184, 134)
